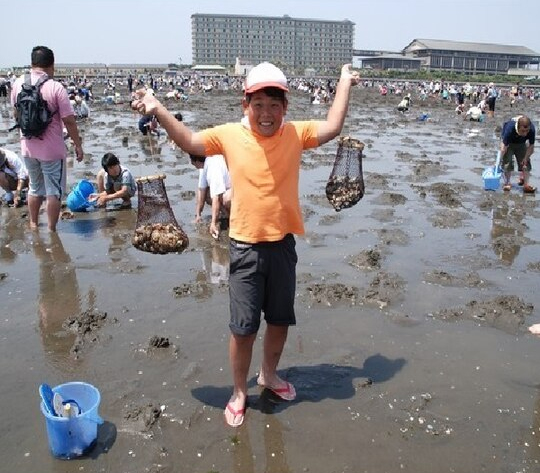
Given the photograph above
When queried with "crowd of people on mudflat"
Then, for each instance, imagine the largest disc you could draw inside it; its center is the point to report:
(474, 102)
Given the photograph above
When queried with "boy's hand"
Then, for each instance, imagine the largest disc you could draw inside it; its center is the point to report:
(144, 103)
(348, 74)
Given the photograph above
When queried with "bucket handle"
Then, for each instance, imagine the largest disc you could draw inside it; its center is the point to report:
(498, 162)
(92, 417)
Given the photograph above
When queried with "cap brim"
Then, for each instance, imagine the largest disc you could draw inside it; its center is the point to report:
(264, 85)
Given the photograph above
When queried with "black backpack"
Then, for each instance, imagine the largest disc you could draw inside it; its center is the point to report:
(33, 114)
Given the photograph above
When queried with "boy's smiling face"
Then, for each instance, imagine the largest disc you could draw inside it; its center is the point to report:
(265, 113)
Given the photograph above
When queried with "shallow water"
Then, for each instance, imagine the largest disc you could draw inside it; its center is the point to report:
(458, 395)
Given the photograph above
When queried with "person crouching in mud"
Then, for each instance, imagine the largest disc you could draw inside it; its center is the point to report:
(405, 103)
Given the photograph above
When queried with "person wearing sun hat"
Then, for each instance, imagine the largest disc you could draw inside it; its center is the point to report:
(263, 154)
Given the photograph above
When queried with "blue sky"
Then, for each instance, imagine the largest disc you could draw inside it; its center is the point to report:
(159, 31)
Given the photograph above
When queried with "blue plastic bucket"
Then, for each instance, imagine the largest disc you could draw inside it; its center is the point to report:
(85, 188)
(77, 199)
(71, 437)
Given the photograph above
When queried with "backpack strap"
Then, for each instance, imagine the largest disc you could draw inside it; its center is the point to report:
(44, 78)
(28, 80)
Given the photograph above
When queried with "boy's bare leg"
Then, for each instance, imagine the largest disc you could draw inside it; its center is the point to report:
(240, 353)
(274, 341)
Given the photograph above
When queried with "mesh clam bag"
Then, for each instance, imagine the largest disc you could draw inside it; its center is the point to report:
(157, 230)
(345, 186)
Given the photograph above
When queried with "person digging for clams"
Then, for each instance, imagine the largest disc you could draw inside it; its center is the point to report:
(114, 182)
(263, 154)
(517, 139)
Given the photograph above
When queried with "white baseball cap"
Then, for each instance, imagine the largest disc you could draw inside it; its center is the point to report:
(265, 75)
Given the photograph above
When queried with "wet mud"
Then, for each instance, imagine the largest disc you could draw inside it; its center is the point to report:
(411, 351)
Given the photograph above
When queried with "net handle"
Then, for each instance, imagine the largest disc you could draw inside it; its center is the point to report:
(150, 178)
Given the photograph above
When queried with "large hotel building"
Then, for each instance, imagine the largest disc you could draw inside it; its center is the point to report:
(292, 43)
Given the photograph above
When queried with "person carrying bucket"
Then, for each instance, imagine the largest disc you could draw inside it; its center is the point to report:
(515, 134)
(114, 182)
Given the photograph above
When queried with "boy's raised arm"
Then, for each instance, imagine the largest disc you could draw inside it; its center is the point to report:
(331, 128)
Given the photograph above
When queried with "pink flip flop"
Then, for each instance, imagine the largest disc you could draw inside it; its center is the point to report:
(236, 414)
(287, 392)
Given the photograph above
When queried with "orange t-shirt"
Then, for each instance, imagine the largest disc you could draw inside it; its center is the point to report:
(264, 176)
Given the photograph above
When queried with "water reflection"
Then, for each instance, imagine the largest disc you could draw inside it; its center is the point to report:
(119, 230)
(58, 296)
(215, 262)
(274, 449)
(507, 231)
(12, 234)
(150, 146)
(535, 433)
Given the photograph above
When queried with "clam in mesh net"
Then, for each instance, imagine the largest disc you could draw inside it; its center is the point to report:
(157, 230)
(345, 186)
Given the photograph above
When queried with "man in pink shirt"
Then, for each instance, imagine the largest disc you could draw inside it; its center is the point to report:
(45, 156)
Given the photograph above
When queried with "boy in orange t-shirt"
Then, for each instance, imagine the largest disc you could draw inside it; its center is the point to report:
(263, 155)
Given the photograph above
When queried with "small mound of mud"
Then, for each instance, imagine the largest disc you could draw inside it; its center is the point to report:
(367, 259)
(318, 199)
(446, 194)
(534, 266)
(390, 198)
(144, 417)
(393, 237)
(331, 294)
(307, 212)
(187, 195)
(505, 313)
(426, 168)
(404, 156)
(449, 219)
(86, 322)
(378, 181)
(85, 326)
(158, 342)
(384, 215)
(384, 289)
(329, 219)
(446, 279)
(199, 289)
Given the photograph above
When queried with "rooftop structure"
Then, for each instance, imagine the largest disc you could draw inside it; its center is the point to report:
(471, 58)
